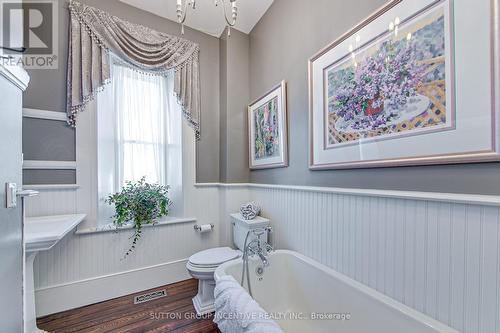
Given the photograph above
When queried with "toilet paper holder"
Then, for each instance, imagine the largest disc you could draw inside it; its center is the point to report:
(198, 227)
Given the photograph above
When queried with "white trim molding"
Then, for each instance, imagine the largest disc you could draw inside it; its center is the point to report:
(75, 294)
(473, 199)
(48, 165)
(51, 187)
(44, 114)
(437, 253)
(15, 74)
(87, 196)
(113, 228)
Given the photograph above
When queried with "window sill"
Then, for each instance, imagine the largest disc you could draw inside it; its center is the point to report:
(112, 228)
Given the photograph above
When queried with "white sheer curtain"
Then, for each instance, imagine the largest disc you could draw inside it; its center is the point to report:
(141, 113)
(139, 134)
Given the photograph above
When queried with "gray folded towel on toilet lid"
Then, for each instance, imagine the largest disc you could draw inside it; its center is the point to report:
(249, 210)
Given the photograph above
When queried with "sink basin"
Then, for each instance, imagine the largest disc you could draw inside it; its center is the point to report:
(42, 233)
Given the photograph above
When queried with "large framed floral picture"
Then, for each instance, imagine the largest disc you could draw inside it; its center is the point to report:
(267, 130)
(401, 88)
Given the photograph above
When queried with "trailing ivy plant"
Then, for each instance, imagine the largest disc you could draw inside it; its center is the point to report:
(139, 203)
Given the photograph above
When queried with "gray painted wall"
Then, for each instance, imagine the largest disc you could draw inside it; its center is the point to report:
(47, 91)
(280, 46)
(277, 48)
(48, 140)
(44, 177)
(234, 96)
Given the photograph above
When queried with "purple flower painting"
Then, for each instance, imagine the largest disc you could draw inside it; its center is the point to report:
(393, 85)
(266, 129)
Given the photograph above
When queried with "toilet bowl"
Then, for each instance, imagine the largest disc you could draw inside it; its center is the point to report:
(202, 265)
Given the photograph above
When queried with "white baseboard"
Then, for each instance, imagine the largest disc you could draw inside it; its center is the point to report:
(72, 295)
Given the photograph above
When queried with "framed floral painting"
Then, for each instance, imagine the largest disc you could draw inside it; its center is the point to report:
(396, 89)
(267, 130)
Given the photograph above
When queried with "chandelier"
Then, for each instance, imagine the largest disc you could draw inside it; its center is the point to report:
(184, 5)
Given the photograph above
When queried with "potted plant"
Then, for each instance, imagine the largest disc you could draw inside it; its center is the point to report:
(139, 203)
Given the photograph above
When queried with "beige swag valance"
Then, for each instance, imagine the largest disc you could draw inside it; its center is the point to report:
(94, 34)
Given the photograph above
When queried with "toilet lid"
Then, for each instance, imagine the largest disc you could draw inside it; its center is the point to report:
(213, 257)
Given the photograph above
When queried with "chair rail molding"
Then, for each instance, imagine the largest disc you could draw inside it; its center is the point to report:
(44, 114)
(51, 187)
(463, 198)
(49, 165)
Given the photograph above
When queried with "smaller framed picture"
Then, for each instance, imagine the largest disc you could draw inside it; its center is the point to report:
(267, 130)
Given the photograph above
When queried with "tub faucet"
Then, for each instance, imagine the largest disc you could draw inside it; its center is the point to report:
(258, 246)
(255, 247)
(265, 263)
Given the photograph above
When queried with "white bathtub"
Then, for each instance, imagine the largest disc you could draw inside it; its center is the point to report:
(294, 288)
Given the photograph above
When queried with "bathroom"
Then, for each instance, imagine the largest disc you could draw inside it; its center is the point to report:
(250, 166)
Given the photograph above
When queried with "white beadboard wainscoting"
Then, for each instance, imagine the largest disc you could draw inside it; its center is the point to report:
(90, 267)
(435, 252)
(87, 268)
(52, 200)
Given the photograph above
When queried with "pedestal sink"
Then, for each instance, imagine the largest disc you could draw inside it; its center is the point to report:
(41, 234)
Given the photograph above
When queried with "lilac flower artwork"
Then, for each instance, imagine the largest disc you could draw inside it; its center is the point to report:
(266, 130)
(392, 86)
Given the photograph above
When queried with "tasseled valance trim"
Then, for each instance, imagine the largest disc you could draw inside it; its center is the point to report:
(95, 34)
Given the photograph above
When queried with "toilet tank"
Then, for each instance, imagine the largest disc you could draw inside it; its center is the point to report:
(242, 226)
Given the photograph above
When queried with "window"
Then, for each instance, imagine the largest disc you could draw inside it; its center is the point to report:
(139, 135)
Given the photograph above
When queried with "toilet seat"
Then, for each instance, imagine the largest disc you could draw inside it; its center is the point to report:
(212, 258)
(202, 265)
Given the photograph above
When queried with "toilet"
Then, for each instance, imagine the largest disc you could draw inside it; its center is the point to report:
(202, 265)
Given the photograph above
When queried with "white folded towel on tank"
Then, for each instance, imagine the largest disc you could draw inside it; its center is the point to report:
(249, 210)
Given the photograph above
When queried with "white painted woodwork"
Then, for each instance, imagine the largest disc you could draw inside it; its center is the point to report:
(435, 252)
(87, 264)
(43, 232)
(48, 165)
(439, 257)
(44, 114)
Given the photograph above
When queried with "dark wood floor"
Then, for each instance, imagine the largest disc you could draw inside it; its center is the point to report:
(173, 313)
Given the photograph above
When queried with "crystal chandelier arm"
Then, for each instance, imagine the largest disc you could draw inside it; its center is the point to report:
(182, 11)
(183, 5)
(234, 12)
